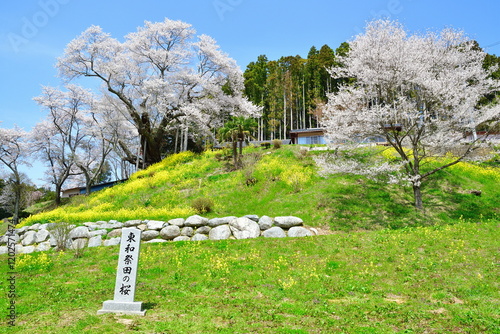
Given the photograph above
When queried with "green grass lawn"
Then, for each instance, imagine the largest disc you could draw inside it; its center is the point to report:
(441, 279)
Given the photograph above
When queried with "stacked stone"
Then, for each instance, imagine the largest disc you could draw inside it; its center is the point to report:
(37, 237)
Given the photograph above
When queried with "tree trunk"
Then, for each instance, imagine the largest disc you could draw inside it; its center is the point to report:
(58, 194)
(17, 200)
(235, 153)
(417, 195)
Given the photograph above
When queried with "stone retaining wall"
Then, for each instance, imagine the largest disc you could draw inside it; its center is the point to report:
(38, 237)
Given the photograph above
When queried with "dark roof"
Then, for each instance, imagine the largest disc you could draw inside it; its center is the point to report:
(307, 130)
(107, 184)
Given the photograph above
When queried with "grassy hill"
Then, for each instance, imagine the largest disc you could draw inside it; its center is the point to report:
(432, 272)
(285, 182)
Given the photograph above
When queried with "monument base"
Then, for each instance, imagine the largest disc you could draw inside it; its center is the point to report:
(111, 306)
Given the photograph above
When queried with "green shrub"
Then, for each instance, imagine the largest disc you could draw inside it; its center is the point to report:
(203, 205)
(277, 144)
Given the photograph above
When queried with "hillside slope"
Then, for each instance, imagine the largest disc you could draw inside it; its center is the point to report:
(284, 182)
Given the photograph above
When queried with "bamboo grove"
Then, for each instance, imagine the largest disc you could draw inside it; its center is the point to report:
(291, 90)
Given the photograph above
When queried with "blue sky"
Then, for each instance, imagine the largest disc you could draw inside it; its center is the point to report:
(33, 33)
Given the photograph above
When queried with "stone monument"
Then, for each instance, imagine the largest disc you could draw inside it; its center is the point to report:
(126, 276)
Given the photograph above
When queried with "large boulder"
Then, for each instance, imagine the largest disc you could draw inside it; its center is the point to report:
(28, 249)
(182, 238)
(42, 235)
(255, 218)
(149, 235)
(287, 222)
(155, 225)
(79, 232)
(43, 247)
(79, 243)
(29, 238)
(220, 232)
(115, 233)
(170, 232)
(199, 237)
(214, 222)
(203, 230)
(187, 231)
(112, 242)
(11, 238)
(155, 241)
(244, 228)
(274, 232)
(102, 232)
(95, 241)
(177, 222)
(265, 223)
(131, 223)
(196, 221)
(34, 227)
(298, 231)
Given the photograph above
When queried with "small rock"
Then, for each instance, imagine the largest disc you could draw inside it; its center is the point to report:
(170, 232)
(298, 231)
(274, 232)
(220, 232)
(288, 221)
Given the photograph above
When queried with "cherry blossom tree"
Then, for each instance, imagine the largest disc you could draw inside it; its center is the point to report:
(64, 137)
(419, 93)
(162, 77)
(13, 154)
